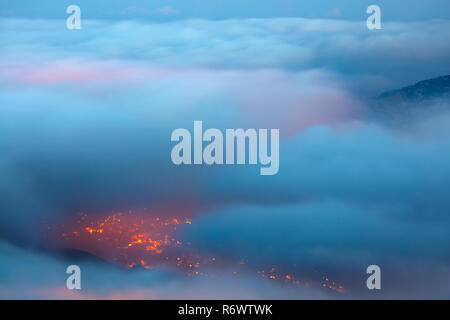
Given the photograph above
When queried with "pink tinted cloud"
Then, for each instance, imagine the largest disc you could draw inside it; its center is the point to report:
(294, 102)
(291, 101)
(335, 12)
(78, 71)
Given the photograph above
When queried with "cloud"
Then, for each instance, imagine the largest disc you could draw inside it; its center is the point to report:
(33, 275)
(339, 239)
(135, 11)
(335, 12)
(291, 44)
(86, 118)
(167, 11)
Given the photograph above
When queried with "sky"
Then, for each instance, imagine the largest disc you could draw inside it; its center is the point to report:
(86, 118)
(399, 10)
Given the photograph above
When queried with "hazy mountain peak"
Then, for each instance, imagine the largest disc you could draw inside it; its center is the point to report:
(436, 88)
(424, 98)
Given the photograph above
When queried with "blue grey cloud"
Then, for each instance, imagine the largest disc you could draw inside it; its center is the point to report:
(86, 118)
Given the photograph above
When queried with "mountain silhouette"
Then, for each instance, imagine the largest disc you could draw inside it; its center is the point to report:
(401, 105)
(437, 88)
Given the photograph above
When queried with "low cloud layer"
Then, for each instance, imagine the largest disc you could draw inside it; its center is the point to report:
(86, 118)
(28, 275)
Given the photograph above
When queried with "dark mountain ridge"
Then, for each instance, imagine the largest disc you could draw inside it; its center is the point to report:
(436, 88)
(401, 106)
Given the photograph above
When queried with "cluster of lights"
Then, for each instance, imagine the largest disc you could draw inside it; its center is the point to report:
(140, 241)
